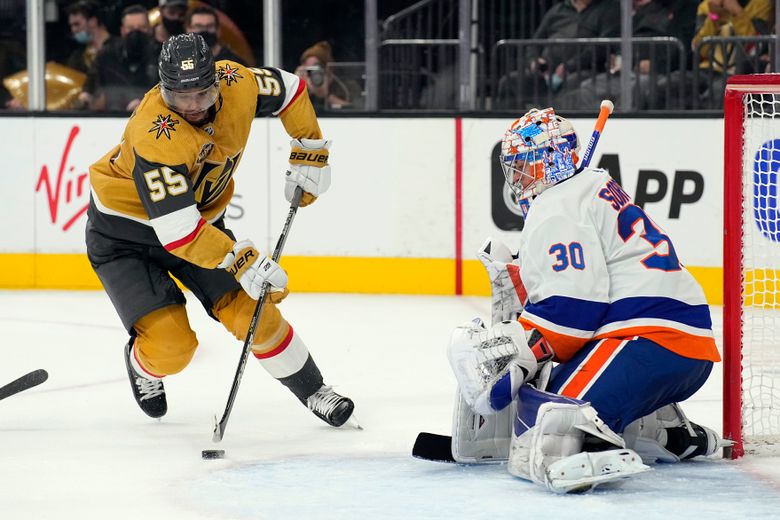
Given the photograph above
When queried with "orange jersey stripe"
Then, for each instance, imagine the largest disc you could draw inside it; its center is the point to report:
(591, 367)
(686, 345)
(563, 346)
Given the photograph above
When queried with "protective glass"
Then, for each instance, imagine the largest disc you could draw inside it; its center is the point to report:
(190, 101)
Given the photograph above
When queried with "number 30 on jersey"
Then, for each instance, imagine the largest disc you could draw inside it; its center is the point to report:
(567, 255)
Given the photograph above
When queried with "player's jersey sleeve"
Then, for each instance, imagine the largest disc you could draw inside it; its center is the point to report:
(167, 197)
(283, 94)
(565, 274)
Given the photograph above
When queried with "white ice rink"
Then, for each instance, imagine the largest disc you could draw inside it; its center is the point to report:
(78, 446)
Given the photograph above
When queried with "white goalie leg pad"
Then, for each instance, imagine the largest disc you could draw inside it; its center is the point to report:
(481, 358)
(650, 435)
(554, 435)
(647, 436)
(480, 438)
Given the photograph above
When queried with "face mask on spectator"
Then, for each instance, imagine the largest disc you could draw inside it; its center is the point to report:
(209, 37)
(82, 37)
(135, 45)
(173, 27)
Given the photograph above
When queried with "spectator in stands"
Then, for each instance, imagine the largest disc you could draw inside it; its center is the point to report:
(125, 68)
(326, 90)
(728, 18)
(651, 18)
(557, 69)
(89, 31)
(172, 14)
(204, 21)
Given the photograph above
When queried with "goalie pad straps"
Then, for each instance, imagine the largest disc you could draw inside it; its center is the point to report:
(667, 435)
(480, 438)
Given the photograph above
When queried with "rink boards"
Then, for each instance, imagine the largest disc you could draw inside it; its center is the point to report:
(411, 200)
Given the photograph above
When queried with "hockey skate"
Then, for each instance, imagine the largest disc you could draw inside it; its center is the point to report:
(148, 393)
(331, 407)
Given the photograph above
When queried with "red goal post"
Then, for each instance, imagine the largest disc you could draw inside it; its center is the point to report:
(751, 264)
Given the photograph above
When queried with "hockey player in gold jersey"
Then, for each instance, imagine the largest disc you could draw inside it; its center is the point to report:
(157, 209)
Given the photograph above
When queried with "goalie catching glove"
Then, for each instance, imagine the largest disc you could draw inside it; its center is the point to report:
(490, 365)
(251, 270)
(309, 169)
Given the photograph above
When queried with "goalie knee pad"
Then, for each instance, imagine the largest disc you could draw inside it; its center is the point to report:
(480, 438)
(667, 435)
(548, 440)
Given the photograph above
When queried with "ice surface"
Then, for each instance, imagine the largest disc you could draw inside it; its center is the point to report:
(78, 447)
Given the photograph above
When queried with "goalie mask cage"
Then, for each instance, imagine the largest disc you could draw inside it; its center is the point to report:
(751, 265)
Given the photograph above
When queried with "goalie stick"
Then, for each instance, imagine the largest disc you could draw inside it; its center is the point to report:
(605, 110)
(433, 447)
(219, 426)
(27, 381)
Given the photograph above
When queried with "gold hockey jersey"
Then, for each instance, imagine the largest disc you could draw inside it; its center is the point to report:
(167, 181)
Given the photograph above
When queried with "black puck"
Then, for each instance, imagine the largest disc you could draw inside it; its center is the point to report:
(213, 454)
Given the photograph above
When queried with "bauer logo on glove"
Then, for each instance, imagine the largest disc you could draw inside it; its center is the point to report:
(310, 158)
(251, 270)
(242, 262)
(309, 169)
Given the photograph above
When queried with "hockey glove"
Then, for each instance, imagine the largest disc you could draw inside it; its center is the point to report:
(309, 169)
(251, 270)
(490, 365)
(508, 294)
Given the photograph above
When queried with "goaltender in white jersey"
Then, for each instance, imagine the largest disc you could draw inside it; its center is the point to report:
(598, 290)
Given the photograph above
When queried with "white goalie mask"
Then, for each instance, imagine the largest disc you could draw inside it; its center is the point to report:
(537, 151)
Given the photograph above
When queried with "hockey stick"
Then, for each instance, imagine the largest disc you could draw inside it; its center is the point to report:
(34, 378)
(605, 110)
(219, 426)
(433, 447)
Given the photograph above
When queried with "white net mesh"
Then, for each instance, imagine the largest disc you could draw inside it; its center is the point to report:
(761, 273)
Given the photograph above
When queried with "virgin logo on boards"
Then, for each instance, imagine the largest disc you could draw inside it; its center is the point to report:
(68, 191)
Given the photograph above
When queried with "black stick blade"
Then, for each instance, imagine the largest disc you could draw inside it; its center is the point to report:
(34, 378)
(433, 447)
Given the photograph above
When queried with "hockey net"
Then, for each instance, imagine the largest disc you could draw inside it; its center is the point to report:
(751, 265)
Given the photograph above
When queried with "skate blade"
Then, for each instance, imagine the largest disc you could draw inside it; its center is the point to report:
(352, 422)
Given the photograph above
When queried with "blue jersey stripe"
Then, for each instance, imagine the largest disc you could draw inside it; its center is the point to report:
(659, 308)
(570, 312)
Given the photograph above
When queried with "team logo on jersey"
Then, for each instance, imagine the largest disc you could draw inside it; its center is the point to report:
(213, 178)
(164, 125)
(228, 74)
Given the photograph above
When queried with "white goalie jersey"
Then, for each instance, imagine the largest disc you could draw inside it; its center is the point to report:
(596, 266)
